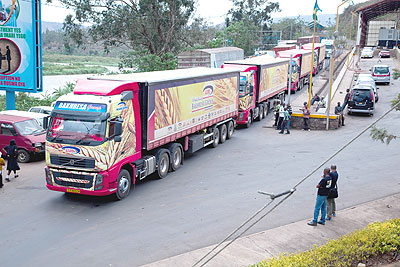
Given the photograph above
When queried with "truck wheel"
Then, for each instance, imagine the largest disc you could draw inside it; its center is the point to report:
(162, 163)
(260, 113)
(223, 131)
(176, 156)
(266, 110)
(123, 184)
(230, 129)
(249, 120)
(23, 156)
(215, 137)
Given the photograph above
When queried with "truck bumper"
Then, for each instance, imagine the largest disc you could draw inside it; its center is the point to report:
(242, 117)
(79, 182)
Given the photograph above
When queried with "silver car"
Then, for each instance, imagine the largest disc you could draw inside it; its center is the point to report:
(381, 73)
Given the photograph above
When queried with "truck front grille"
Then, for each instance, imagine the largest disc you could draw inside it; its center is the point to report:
(73, 179)
(86, 163)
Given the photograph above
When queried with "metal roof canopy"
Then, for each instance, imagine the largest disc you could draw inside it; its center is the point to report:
(370, 12)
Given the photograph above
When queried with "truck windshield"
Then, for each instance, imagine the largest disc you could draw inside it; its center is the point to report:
(328, 46)
(77, 131)
(28, 127)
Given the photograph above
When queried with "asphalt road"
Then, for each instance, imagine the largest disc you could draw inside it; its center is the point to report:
(198, 205)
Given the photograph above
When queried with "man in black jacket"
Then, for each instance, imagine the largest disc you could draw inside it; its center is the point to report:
(331, 205)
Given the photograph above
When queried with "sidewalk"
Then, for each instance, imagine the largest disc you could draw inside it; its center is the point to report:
(294, 237)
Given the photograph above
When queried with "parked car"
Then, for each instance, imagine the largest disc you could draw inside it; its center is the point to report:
(366, 79)
(367, 52)
(381, 73)
(384, 53)
(370, 86)
(361, 100)
(41, 118)
(41, 109)
(27, 133)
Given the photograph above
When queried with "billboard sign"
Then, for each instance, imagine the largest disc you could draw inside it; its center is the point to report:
(20, 46)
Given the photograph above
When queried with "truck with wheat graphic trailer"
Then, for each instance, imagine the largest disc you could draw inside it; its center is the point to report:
(261, 79)
(302, 59)
(115, 130)
(319, 55)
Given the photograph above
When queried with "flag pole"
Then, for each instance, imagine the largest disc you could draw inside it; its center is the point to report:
(312, 59)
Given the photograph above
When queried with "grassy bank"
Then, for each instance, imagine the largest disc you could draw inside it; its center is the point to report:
(87, 60)
(70, 69)
(376, 240)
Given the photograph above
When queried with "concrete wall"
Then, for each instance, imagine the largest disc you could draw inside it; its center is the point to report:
(373, 31)
(317, 122)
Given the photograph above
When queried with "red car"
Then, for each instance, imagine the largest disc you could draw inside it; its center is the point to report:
(27, 133)
(384, 53)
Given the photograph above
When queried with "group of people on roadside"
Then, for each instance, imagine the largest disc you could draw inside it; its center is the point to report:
(283, 114)
(12, 163)
(326, 194)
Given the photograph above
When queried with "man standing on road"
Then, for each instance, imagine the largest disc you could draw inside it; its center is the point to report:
(281, 116)
(306, 116)
(285, 122)
(346, 99)
(276, 110)
(324, 186)
(339, 112)
(331, 205)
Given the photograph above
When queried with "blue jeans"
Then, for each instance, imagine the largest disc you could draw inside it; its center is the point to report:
(320, 205)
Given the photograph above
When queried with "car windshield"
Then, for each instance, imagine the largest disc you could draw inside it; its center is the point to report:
(381, 70)
(28, 127)
(76, 131)
(361, 95)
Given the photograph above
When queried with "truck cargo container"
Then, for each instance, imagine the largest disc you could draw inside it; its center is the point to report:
(115, 130)
(319, 55)
(302, 58)
(279, 48)
(209, 58)
(261, 79)
(329, 47)
(308, 39)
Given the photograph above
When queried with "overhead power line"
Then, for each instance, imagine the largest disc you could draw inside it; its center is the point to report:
(203, 261)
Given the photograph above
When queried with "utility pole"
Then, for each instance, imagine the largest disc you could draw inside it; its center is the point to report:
(291, 30)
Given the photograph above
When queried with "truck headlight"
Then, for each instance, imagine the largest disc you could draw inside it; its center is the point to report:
(99, 182)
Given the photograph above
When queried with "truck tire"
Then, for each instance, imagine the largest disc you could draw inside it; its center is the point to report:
(223, 132)
(124, 183)
(215, 137)
(176, 156)
(162, 163)
(249, 120)
(23, 156)
(266, 110)
(260, 113)
(230, 129)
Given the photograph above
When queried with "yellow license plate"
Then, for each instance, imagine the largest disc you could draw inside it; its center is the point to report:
(76, 191)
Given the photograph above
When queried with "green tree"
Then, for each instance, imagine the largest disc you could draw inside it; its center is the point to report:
(151, 27)
(291, 28)
(244, 35)
(258, 12)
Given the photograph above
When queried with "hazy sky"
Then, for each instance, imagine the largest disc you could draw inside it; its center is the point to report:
(215, 10)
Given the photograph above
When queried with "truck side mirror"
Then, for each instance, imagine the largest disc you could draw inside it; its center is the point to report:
(117, 138)
(118, 129)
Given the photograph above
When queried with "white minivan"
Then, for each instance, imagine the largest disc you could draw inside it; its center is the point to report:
(41, 118)
(381, 73)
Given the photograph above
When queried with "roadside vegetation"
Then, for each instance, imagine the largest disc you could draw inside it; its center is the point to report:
(378, 242)
(71, 69)
(25, 101)
(81, 59)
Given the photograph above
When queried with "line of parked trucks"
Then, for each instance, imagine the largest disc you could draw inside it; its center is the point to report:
(115, 130)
